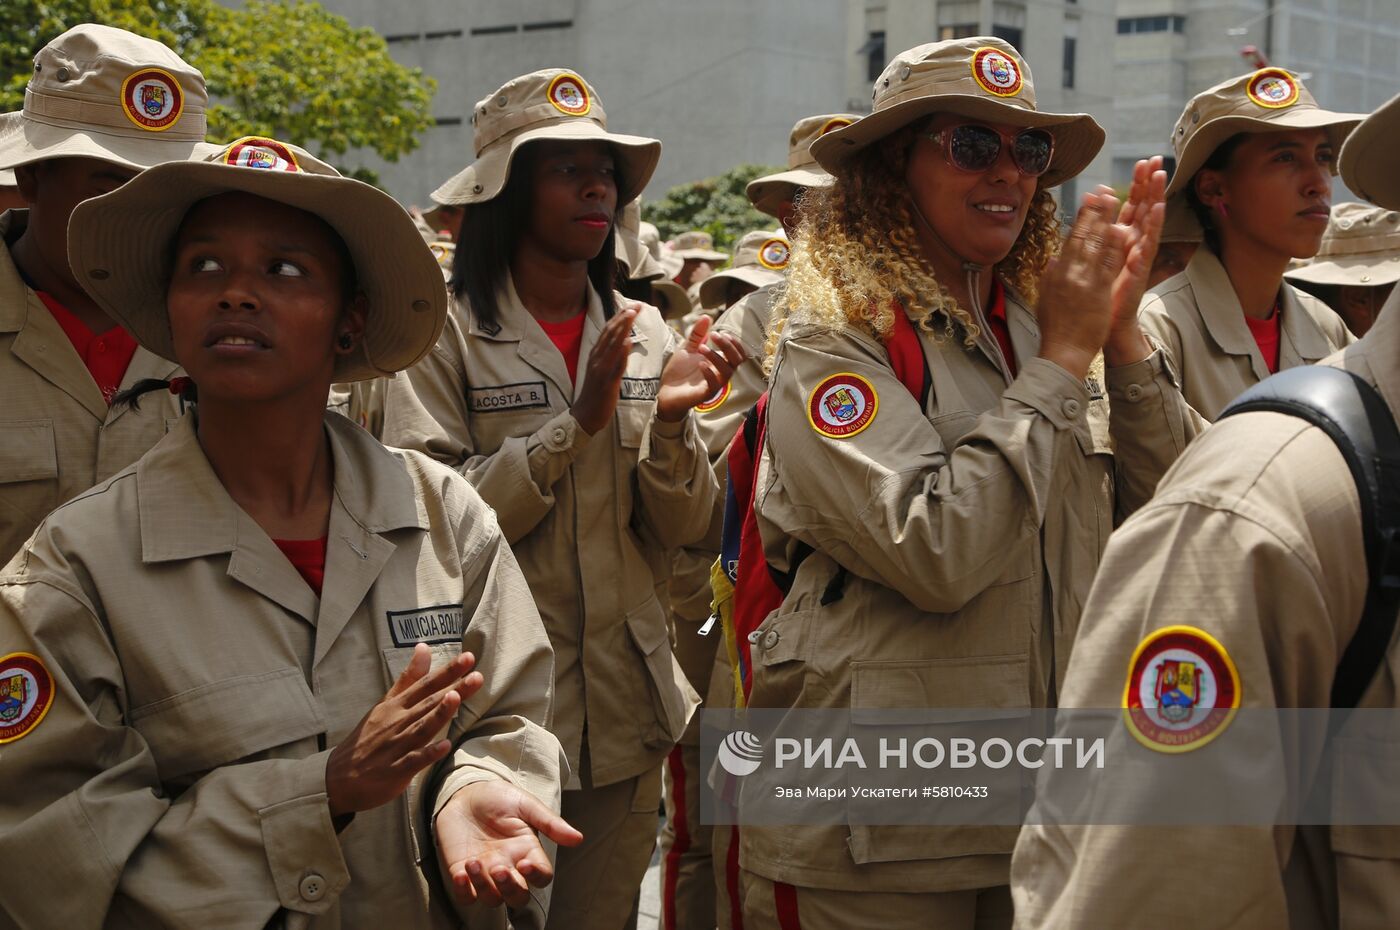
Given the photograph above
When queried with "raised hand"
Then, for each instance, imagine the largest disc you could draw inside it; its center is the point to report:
(1142, 215)
(397, 739)
(487, 844)
(696, 370)
(602, 379)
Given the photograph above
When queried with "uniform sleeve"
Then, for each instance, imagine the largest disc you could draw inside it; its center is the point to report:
(892, 502)
(676, 489)
(425, 409)
(502, 732)
(1274, 570)
(718, 426)
(98, 830)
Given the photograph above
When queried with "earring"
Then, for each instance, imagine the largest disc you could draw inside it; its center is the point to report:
(346, 341)
(1223, 210)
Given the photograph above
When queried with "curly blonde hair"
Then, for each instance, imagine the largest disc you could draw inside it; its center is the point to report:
(857, 253)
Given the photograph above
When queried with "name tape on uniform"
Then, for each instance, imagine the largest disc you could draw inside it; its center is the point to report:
(431, 625)
(522, 395)
(640, 388)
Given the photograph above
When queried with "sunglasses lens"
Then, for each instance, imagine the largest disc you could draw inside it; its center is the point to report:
(1031, 151)
(974, 148)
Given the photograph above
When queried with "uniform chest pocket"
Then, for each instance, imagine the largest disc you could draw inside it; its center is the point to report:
(491, 430)
(28, 452)
(952, 427)
(632, 420)
(228, 721)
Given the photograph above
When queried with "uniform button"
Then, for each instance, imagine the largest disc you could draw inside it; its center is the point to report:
(754, 637)
(312, 888)
(559, 434)
(1071, 408)
(770, 639)
(1134, 392)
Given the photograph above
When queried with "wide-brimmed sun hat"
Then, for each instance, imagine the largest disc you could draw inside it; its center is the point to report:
(770, 191)
(696, 245)
(1360, 247)
(760, 259)
(630, 249)
(982, 78)
(1368, 157)
(105, 93)
(120, 247)
(1268, 100)
(553, 104)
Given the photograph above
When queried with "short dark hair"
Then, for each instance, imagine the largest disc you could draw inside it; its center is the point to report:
(490, 232)
(1219, 160)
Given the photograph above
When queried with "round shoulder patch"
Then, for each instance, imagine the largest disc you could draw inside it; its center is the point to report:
(714, 400)
(1183, 690)
(26, 694)
(842, 405)
(833, 124)
(1273, 88)
(569, 95)
(152, 99)
(774, 254)
(996, 72)
(260, 152)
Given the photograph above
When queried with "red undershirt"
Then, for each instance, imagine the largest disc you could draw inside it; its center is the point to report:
(996, 318)
(568, 339)
(106, 356)
(1265, 333)
(308, 557)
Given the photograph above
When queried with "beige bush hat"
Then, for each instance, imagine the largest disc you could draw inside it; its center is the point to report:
(671, 299)
(767, 192)
(630, 249)
(105, 93)
(550, 104)
(698, 245)
(120, 244)
(7, 178)
(760, 259)
(1361, 246)
(1267, 100)
(1368, 160)
(982, 78)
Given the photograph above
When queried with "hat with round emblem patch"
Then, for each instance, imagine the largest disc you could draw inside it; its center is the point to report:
(760, 259)
(105, 93)
(981, 78)
(120, 247)
(1267, 100)
(553, 104)
(769, 192)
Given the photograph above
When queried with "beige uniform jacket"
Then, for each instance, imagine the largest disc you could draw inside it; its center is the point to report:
(58, 437)
(589, 517)
(361, 402)
(1197, 320)
(969, 531)
(178, 779)
(1260, 521)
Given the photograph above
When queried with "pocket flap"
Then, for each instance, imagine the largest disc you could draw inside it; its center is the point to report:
(28, 452)
(225, 721)
(647, 633)
(976, 681)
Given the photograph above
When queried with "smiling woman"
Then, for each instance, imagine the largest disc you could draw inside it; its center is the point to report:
(219, 682)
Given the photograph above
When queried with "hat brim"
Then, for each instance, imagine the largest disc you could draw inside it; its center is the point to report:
(772, 190)
(1078, 137)
(119, 246)
(1211, 135)
(1343, 270)
(485, 178)
(712, 288)
(1368, 157)
(700, 255)
(26, 141)
(671, 299)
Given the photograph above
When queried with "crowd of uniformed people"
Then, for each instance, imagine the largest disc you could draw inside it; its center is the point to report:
(362, 562)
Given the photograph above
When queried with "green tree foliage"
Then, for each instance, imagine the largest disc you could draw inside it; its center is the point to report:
(717, 205)
(283, 68)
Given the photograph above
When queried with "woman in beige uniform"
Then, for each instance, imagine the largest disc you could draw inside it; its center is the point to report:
(1255, 158)
(951, 537)
(196, 652)
(570, 413)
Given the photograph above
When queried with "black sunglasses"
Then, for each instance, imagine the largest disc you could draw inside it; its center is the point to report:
(972, 147)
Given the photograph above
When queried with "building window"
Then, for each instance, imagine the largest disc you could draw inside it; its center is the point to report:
(495, 30)
(549, 24)
(1010, 34)
(1130, 25)
(874, 53)
(1070, 42)
(958, 31)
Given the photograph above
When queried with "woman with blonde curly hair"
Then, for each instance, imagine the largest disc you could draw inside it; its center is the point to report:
(939, 499)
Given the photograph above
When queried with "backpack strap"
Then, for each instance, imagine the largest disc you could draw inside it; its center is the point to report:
(1354, 415)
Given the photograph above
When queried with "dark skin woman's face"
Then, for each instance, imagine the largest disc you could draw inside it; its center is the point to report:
(256, 300)
(575, 198)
